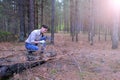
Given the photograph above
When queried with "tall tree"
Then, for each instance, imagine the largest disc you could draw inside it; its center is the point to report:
(22, 19)
(72, 19)
(115, 36)
(66, 15)
(52, 21)
(76, 19)
(42, 7)
(91, 24)
(116, 24)
(31, 15)
(36, 14)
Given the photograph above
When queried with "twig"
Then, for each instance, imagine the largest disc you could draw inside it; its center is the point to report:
(12, 50)
(77, 65)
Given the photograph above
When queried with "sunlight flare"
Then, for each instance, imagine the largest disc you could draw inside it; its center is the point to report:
(115, 4)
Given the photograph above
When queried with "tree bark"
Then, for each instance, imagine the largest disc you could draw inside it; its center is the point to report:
(91, 27)
(31, 16)
(52, 21)
(36, 15)
(72, 17)
(42, 11)
(22, 20)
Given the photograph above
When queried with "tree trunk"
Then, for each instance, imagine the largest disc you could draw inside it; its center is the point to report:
(66, 16)
(31, 16)
(115, 37)
(72, 16)
(99, 29)
(76, 20)
(36, 15)
(52, 21)
(42, 1)
(91, 27)
(22, 19)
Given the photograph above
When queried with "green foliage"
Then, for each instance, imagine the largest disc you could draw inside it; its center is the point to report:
(4, 35)
(60, 27)
(53, 71)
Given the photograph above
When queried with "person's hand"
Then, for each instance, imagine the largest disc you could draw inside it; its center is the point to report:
(42, 41)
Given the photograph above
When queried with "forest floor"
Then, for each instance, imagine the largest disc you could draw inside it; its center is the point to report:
(79, 61)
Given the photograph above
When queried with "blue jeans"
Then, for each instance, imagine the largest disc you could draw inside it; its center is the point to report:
(31, 47)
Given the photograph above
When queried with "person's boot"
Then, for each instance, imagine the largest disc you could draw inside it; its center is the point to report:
(30, 56)
(30, 53)
(42, 50)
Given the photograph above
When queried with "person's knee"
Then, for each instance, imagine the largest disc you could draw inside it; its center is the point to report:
(36, 48)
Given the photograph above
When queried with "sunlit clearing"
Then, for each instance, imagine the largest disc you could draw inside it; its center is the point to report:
(115, 4)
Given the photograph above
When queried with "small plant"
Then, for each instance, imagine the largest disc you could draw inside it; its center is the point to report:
(53, 71)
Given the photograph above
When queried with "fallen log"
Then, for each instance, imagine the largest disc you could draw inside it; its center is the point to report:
(7, 71)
